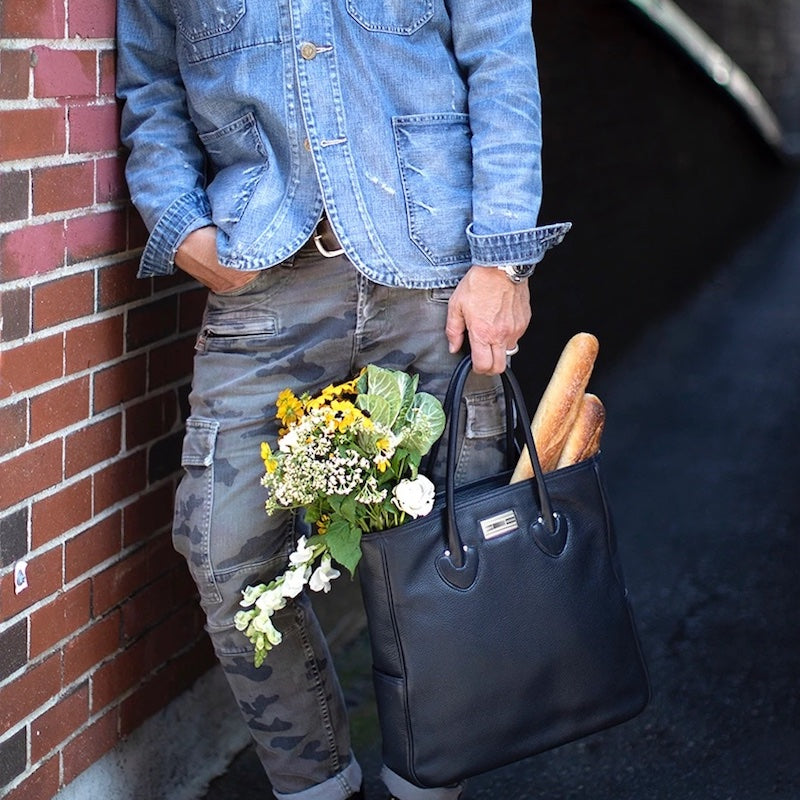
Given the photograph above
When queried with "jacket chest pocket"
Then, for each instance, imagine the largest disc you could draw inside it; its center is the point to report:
(391, 16)
(199, 21)
(210, 30)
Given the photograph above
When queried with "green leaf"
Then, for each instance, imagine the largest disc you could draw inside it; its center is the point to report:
(344, 543)
(384, 396)
(408, 389)
(348, 508)
(426, 420)
(379, 410)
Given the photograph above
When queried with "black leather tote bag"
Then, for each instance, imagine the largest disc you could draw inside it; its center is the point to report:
(499, 623)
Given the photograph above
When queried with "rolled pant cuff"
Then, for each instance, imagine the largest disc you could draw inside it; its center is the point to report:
(404, 790)
(339, 787)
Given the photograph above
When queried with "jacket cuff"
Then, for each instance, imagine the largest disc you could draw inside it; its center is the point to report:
(516, 247)
(186, 214)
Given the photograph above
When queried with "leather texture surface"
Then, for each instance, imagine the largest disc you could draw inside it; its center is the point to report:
(531, 645)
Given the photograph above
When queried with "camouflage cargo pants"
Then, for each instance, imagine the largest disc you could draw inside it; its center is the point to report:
(302, 325)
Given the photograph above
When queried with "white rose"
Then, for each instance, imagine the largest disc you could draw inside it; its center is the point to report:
(414, 497)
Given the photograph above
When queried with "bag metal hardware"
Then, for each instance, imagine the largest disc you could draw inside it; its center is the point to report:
(499, 524)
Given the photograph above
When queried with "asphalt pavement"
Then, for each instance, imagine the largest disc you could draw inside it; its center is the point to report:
(700, 455)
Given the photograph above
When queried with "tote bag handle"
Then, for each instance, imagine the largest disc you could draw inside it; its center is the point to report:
(458, 554)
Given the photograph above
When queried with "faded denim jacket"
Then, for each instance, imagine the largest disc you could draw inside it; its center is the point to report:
(415, 124)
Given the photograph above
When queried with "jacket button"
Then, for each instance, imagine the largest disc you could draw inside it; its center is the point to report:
(308, 50)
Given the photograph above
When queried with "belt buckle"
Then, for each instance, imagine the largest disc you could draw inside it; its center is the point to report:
(318, 236)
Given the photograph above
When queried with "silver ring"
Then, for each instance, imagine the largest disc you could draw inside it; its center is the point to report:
(513, 350)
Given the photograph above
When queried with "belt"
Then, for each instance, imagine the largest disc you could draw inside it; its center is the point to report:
(325, 239)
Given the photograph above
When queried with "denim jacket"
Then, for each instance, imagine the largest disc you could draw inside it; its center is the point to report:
(415, 124)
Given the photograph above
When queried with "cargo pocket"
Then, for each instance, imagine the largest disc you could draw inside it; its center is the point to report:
(194, 502)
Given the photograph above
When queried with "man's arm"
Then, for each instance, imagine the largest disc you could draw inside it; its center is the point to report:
(165, 169)
(493, 44)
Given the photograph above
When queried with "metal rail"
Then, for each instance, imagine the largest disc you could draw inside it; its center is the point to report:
(720, 67)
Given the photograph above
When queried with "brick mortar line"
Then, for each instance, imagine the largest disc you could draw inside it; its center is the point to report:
(62, 43)
(65, 327)
(34, 104)
(31, 166)
(55, 160)
(35, 661)
(80, 322)
(95, 519)
(94, 316)
(66, 215)
(61, 101)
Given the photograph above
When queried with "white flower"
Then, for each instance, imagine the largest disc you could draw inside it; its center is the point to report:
(242, 619)
(294, 580)
(263, 624)
(251, 594)
(302, 555)
(323, 575)
(271, 600)
(414, 497)
(289, 441)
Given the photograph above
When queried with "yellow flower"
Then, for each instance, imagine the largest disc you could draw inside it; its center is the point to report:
(381, 460)
(322, 524)
(349, 387)
(343, 415)
(290, 409)
(270, 463)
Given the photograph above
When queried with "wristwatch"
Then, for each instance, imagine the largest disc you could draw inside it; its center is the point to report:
(517, 272)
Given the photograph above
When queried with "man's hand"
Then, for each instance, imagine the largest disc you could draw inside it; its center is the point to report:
(493, 311)
(197, 255)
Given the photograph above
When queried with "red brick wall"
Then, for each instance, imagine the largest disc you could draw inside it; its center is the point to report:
(94, 369)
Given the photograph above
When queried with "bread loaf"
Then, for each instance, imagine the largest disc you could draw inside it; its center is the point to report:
(560, 403)
(583, 440)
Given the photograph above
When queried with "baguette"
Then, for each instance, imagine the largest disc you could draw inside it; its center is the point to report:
(584, 438)
(559, 405)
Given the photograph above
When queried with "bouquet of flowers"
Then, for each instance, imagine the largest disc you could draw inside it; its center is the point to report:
(349, 457)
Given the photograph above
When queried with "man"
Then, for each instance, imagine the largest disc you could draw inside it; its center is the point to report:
(356, 181)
